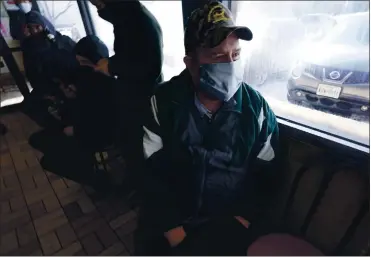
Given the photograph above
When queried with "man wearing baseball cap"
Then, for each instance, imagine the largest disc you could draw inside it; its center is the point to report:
(210, 143)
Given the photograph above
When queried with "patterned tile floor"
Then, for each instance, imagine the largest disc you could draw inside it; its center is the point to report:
(44, 214)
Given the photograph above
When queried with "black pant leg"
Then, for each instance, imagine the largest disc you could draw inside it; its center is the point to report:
(36, 108)
(47, 140)
(218, 237)
(148, 238)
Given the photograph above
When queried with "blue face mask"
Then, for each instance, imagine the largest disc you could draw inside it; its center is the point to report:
(25, 7)
(221, 80)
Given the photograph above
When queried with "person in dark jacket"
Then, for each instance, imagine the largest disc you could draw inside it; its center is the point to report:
(88, 95)
(138, 44)
(38, 28)
(137, 63)
(211, 143)
(69, 150)
(40, 43)
(41, 39)
(89, 50)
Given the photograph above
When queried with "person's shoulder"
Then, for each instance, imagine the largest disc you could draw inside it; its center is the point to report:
(252, 97)
(174, 89)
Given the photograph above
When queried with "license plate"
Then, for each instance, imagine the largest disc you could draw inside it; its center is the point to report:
(329, 91)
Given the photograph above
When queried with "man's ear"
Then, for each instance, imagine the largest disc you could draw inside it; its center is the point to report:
(188, 61)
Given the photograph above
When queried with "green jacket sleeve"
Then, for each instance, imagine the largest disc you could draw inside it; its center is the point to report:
(267, 164)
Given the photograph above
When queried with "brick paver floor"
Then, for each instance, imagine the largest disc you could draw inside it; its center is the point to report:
(44, 214)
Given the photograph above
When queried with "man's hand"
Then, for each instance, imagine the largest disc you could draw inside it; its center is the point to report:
(243, 221)
(102, 66)
(175, 236)
(68, 131)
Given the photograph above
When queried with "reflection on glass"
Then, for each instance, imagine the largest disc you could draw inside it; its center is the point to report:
(310, 60)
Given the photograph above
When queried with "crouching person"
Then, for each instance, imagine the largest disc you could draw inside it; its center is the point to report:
(88, 116)
(40, 43)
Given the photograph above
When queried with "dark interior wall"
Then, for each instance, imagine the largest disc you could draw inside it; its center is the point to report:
(324, 197)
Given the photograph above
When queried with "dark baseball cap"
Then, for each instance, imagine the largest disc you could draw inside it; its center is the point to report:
(210, 25)
(91, 47)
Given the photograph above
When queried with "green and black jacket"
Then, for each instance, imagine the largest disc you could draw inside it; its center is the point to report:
(209, 166)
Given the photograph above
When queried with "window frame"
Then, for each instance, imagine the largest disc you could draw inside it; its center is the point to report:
(86, 17)
(314, 135)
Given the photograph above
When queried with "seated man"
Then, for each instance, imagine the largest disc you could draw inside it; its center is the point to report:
(211, 143)
(41, 41)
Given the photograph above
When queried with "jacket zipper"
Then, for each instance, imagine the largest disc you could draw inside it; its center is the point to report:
(203, 182)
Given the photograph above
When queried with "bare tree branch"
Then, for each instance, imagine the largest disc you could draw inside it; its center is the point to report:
(69, 5)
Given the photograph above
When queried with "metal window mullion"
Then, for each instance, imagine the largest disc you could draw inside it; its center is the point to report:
(86, 17)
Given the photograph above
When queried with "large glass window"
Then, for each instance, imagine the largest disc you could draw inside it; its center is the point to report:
(310, 60)
(170, 17)
(103, 29)
(65, 16)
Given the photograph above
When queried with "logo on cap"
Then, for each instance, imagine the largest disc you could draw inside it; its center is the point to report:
(217, 14)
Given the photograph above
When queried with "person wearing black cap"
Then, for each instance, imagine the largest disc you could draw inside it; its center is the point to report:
(87, 120)
(38, 29)
(90, 49)
(40, 43)
(211, 143)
